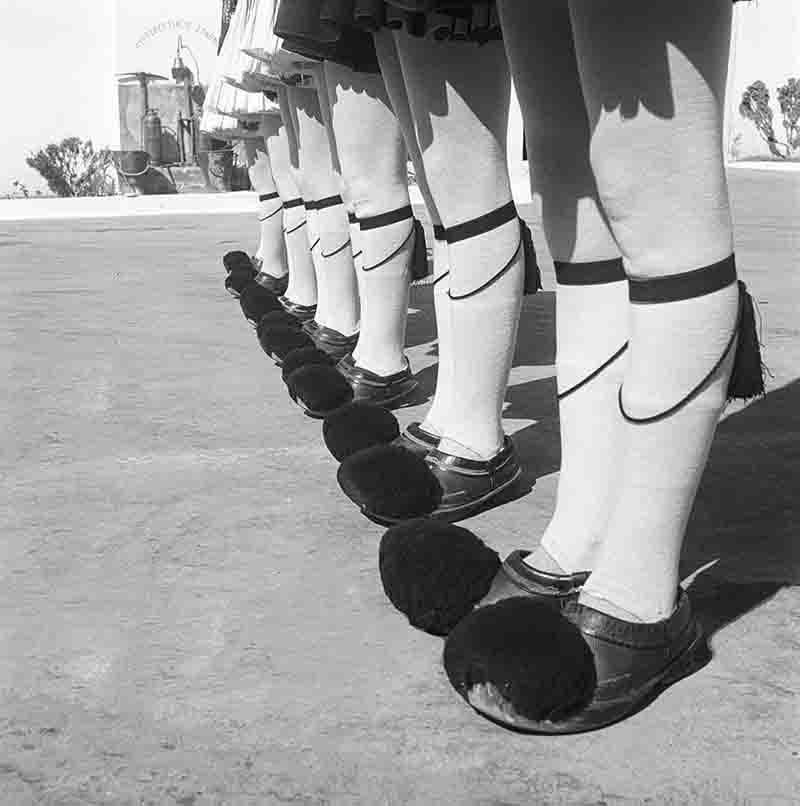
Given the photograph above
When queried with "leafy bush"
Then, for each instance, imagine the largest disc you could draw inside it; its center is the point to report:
(756, 108)
(73, 168)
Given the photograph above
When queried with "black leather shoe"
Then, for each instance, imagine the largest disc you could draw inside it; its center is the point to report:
(436, 573)
(383, 390)
(417, 440)
(275, 285)
(311, 326)
(391, 484)
(334, 343)
(516, 578)
(532, 669)
(303, 312)
(468, 485)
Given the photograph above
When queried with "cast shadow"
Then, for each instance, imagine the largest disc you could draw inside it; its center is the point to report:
(746, 512)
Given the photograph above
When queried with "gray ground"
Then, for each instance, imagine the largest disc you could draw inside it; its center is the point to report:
(190, 610)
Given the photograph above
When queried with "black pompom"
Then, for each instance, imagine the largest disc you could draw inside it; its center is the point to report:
(747, 377)
(278, 318)
(279, 341)
(305, 355)
(390, 481)
(536, 662)
(257, 301)
(435, 572)
(358, 426)
(319, 388)
(237, 279)
(237, 259)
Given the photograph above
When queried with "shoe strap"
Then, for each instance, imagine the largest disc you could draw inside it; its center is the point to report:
(267, 197)
(534, 580)
(416, 432)
(460, 464)
(356, 373)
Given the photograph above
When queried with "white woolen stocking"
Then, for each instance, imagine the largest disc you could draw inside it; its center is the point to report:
(484, 332)
(337, 288)
(662, 461)
(302, 288)
(591, 326)
(384, 296)
(445, 396)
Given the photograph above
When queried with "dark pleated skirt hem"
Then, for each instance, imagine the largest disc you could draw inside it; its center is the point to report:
(341, 30)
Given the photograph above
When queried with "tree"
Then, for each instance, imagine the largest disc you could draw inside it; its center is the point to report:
(789, 100)
(73, 168)
(755, 107)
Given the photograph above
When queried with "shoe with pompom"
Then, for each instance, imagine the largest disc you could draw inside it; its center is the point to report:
(388, 391)
(533, 669)
(302, 312)
(256, 301)
(391, 483)
(309, 354)
(436, 573)
(318, 389)
(275, 285)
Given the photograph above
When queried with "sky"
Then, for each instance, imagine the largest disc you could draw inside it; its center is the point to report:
(56, 67)
(54, 75)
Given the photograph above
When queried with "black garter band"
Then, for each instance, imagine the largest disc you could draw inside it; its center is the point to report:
(419, 258)
(596, 272)
(267, 197)
(486, 223)
(747, 376)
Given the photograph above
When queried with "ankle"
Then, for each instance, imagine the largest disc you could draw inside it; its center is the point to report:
(474, 449)
(541, 560)
(386, 364)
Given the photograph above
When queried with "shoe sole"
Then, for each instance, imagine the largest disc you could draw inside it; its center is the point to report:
(451, 514)
(595, 716)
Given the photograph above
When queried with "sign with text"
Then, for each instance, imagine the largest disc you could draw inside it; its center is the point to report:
(149, 34)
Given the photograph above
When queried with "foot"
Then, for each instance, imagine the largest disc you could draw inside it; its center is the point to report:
(275, 285)
(436, 574)
(388, 391)
(533, 669)
(391, 484)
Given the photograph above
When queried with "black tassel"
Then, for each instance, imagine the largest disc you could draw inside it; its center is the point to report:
(747, 378)
(533, 277)
(419, 260)
(421, 268)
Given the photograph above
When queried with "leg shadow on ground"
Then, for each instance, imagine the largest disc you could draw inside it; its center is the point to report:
(743, 529)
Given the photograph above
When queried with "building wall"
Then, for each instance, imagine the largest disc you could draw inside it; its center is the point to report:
(146, 35)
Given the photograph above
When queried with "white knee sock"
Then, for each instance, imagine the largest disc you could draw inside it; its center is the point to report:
(445, 393)
(484, 332)
(337, 289)
(591, 328)
(302, 288)
(673, 346)
(383, 286)
(271, 249)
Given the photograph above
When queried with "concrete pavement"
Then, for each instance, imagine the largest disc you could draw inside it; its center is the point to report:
(190, 609)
